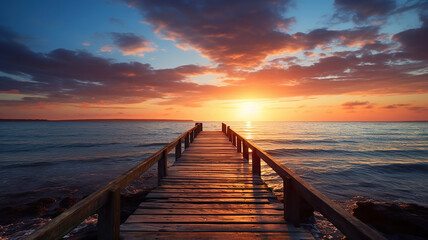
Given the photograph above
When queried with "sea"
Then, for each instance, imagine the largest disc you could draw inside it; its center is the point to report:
(44, 163)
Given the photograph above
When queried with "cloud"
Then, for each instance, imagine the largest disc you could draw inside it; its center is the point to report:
(418, 108)
(394, 106)
(320, 37)
(362, 11)
(414, 41)
(352, 105)
(131, 44)
(225, 31)
(235, 34)
(86, 44)
(65, 76)
(410, 107)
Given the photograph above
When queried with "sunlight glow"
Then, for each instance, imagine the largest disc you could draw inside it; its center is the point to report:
(249, 110)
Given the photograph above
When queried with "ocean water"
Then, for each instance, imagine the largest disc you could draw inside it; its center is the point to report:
(383, 161)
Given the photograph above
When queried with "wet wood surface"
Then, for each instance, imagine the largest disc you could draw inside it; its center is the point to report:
(210, 193)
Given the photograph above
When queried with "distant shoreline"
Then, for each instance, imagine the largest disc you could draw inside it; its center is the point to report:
(95, 120)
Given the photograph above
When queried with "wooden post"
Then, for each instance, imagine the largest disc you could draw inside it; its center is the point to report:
(178, 150)
(223, 128)
(291, 203)
(191, 136)
(256, 162)
(234, 139)
(201, 127)
(186, 141)
(162, 166)
(198, 129)
(245, 150)
(238, 144)
(108, 225)
(229, 133)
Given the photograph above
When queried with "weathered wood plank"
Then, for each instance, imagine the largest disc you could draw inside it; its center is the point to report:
(219, 181)
(209, 195)
(216, 186)
(217, 191)
(206, 219)
(216, 235)
(211, 176)
(210, 211)
(249, 227)
(155, 205)
(211, 200)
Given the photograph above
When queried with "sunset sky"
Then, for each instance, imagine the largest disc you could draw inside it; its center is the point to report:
(341, 60)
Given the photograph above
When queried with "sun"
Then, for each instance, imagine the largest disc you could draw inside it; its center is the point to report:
(248, 110)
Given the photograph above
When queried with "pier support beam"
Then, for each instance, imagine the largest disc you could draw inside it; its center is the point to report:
(229, 133)
(238, 144)
(291, 203)
(256, 162)
(296, 209)
(108, 225)
(178, 150)
(245, 150)
(186, 141)
(162, 166)
(233, 139)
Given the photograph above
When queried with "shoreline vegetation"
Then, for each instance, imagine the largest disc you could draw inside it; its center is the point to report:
(97, 120)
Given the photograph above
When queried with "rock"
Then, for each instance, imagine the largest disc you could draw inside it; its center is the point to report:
(34, 209)
(42, 205)
(397, 221)
(68, 202)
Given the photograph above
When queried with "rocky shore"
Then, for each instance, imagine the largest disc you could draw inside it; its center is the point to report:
(397, 221)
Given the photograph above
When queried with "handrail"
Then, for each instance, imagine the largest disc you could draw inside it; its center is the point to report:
(106, 201)
(299, 196)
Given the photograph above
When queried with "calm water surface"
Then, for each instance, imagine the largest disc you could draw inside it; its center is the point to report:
(384, 161)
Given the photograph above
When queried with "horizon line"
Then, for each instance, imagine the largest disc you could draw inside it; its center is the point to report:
(182, 120)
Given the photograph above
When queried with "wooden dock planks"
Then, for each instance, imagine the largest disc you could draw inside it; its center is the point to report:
(210, 193)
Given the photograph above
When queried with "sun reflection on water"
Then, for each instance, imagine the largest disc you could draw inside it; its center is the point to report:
(248, 130)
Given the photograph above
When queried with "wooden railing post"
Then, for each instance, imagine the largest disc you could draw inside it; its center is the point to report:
(245, 150)
(255, 162)
(108, 225)
(296, 209)
(291, 203)
(233, 139)
(238, 144)
(201, 127)
(229, 133)
(186, 141)
(223, 128)
(178, 150)
(191, 136)
(198, 129)
(162, 166)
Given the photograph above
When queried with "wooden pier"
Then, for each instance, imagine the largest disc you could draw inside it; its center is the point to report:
(211, 192)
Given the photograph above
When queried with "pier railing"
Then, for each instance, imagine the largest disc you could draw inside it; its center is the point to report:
(300, 198)
(106, 201)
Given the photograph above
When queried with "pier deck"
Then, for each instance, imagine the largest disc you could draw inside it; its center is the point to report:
(210, 193)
